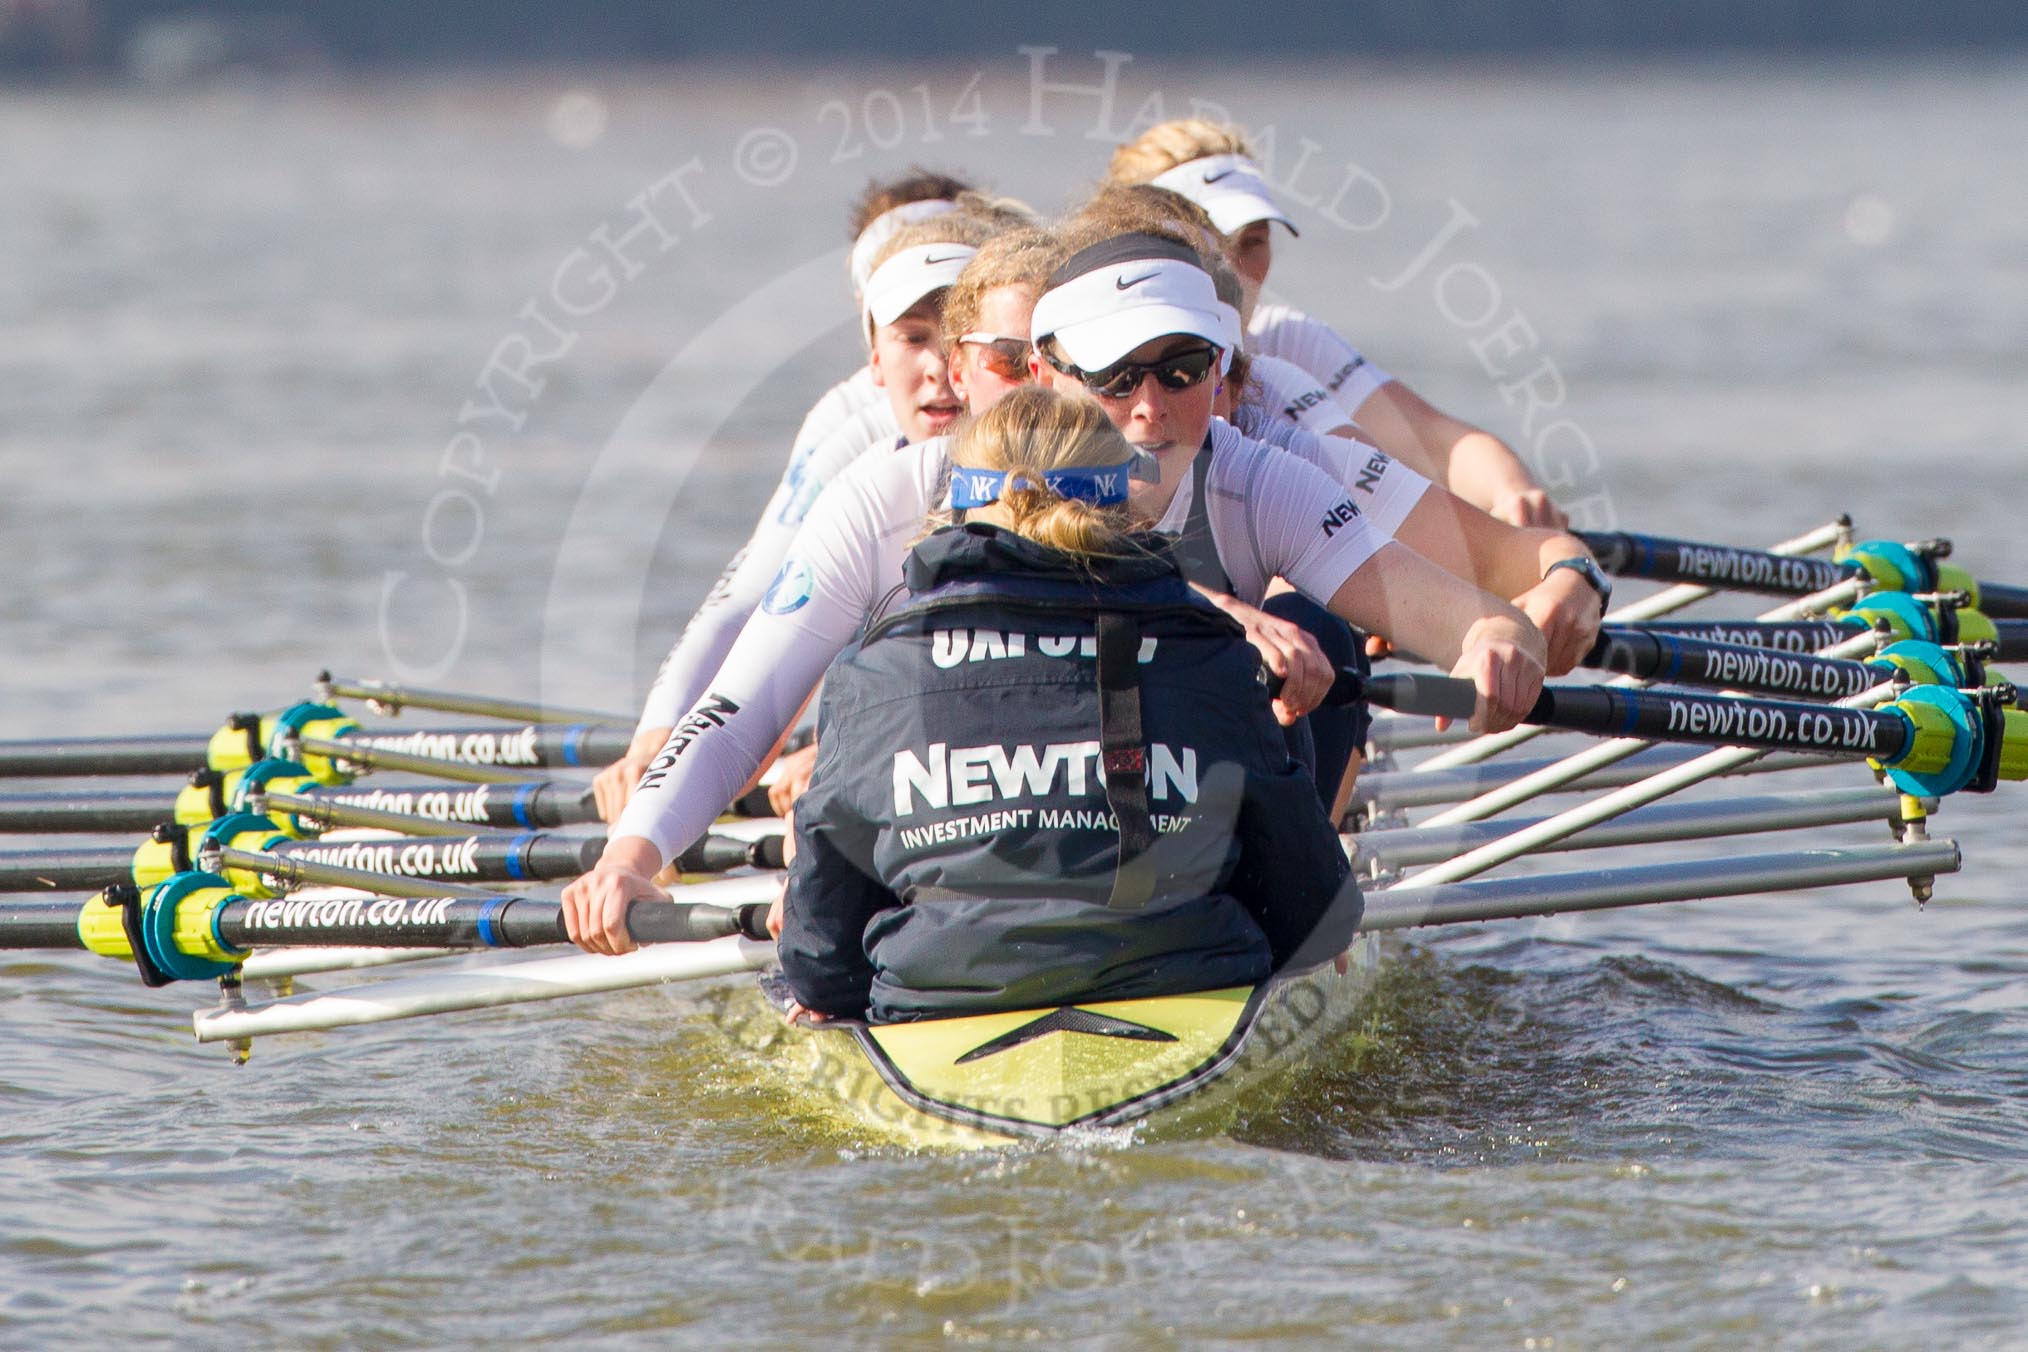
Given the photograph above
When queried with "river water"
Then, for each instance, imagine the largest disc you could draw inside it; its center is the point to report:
(391, 377)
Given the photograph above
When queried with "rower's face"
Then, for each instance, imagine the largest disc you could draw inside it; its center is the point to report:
(981, 375)
(908, 362)
(1168, 424)
(1251, 253)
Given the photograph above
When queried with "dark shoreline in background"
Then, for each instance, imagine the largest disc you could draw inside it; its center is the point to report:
(166, 40)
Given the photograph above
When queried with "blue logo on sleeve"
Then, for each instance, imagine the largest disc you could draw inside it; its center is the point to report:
(791, 589)
(799, 488)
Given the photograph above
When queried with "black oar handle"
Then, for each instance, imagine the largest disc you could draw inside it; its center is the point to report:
(720, 854)
(666, 922)
(1433, 696)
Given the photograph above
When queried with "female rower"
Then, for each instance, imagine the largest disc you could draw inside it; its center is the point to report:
(1179, 851)
(901, 300)
(1267, 513)
(879, 213)
(1213, 166)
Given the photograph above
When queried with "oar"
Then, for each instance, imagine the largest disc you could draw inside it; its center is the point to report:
(1395, 848)
(484, 988)
(194, 926)
(1676, 660)
(411, 808)
(319, 735)
(1884, 564)
(506, 857)
(386, 698)
(1931, 739)
(1385, 791)
(1994, 640)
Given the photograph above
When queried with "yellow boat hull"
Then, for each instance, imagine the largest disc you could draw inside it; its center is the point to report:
(1168, 1064)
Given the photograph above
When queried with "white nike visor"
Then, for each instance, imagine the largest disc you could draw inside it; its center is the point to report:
(910, 275)
(1105, 302)
(885, 227)
(1231, 189)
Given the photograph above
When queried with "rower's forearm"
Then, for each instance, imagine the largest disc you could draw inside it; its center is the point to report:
(1558, 545)
(1425, 608)
(631, 854)
(1484, 470)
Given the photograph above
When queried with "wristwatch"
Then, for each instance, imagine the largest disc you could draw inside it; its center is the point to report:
(1589, 570)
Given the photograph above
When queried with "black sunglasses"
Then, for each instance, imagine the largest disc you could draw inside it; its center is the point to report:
(1177, 371)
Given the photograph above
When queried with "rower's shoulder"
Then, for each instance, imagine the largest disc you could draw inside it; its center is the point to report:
(1239, 459)
(904, 476)
(836, 406)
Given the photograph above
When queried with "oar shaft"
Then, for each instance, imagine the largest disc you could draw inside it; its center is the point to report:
(39, 924)
(387, 697)
(1399, 790)
(459, 921)
(427, 751)
(123, 812)
(1674, 659)
(2001, 602)
(524, 857)
(174, 754)
(1416, 902)
(85, 869)
(447, 922)
(1681, 716)
(415, 809)
(1660, 559)
(533, 803)
(1788, 636)
(482, 757)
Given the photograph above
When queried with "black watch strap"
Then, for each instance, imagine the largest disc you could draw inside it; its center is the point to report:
(1589, 570)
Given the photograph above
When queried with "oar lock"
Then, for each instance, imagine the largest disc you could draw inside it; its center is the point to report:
(169, 931)
(248, 739)
(174, 848)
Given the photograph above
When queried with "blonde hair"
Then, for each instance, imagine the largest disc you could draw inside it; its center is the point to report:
(1036, 430)
(1142, 208)
(1167, 144)
(1023, 257)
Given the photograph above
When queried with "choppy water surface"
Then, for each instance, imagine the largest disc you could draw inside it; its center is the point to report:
(242, 325)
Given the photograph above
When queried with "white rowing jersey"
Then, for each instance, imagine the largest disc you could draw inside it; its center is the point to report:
(850, 426)
(1278, 393)
(1285, 332)
(1292, 394)
(854, 394)
(1272, 513)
